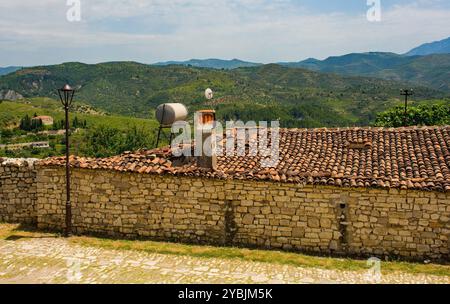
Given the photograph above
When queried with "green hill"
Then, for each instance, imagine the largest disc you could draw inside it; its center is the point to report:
(299, 97)
(212, 63)
(437, 47)
(353, 64)
(99, 135)
(432, 70)
(7, 70)
(12, 112)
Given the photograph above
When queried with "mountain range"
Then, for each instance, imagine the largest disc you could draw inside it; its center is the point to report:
(437, 47)
(338, 91)
(298, 97)
(7, 70)
(428, 64)
(212, 63)
(431, 70)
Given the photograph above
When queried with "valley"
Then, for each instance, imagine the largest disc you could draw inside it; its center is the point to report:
(115, 101)
(298, 97)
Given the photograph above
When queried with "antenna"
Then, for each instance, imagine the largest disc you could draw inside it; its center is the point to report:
(406, 93)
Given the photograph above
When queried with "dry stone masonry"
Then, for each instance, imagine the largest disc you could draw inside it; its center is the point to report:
(321, 219)
(17, 190)
(349, 191)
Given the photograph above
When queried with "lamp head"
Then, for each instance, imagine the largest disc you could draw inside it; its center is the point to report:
(66, 95)
(67, 88)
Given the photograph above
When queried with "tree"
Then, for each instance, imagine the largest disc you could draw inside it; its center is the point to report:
(104, 141)
(6, 134)
(59, 125)
(25, 123)
(135, 139)
(31, 124)
(422, 115)
(36, 125)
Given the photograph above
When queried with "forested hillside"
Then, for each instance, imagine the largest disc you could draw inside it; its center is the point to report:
(299, 97)
(432, 70)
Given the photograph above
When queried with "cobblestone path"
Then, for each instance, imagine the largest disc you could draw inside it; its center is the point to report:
(56, 260)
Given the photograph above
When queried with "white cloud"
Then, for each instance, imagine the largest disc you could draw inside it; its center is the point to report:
(151, 30)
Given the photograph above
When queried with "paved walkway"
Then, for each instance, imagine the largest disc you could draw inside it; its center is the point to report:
(56, 260)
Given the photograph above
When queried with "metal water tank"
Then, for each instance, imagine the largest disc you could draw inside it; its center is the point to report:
(169, 113)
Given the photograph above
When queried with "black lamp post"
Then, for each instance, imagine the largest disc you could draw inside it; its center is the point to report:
(66, 95)
(406, 93)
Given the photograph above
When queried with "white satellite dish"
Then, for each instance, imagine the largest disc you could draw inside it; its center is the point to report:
(209, 94)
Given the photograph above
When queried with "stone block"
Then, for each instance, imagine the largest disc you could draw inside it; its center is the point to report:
(313, 222)
(248, 219)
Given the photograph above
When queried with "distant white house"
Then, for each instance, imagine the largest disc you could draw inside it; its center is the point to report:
(37, 145)
(40, 145)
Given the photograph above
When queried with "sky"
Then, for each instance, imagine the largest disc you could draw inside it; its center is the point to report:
(148, 31)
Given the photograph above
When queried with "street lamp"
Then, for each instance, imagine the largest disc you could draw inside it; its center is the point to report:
(406, 93)
(66, 94)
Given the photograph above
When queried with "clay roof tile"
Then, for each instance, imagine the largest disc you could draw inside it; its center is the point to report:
(405, 158)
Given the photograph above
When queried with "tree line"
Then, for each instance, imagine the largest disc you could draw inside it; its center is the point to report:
(422, 115)
(32, 124)
(104, 141)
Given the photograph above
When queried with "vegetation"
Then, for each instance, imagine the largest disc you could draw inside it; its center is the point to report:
(103, 141)
(96, 135)
(431, 70)
(265, 256)
(8, 231)
(29, 152)
(437, 47)
(302, 98)
(212, 63)
(422, 115)
(12, 112)
(74, 124)
(31, 124)
(296, 97)
(100, 135)
(7, 70)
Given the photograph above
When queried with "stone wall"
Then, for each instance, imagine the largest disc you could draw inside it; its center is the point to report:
(366, 222)
(18, 191)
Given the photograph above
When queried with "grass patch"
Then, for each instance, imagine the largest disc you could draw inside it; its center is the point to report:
(19, 231)
(265, 256)
(11, 113)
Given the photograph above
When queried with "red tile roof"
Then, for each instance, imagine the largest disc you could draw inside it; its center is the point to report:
(42, 117)
(404, 158)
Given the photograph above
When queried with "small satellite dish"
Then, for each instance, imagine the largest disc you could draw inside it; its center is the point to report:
(209, 93)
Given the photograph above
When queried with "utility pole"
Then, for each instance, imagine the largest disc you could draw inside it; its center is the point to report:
(406, 93)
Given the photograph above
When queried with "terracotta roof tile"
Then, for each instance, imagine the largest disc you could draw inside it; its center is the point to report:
(404, 158)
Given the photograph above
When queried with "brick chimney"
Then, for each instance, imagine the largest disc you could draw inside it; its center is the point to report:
(205, 147)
